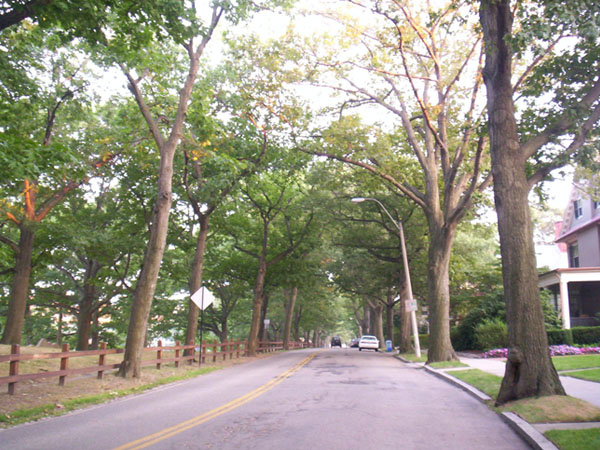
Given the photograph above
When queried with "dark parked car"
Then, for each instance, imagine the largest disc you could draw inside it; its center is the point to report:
(336, 341)
(354, 342)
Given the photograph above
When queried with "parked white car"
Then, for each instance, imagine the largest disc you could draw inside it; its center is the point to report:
(368, 341)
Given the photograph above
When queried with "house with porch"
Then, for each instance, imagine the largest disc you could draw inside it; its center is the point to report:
(576, 289)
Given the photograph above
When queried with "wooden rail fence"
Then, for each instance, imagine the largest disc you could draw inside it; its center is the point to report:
(215, 350)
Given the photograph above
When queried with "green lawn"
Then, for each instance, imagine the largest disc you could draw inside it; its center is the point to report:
(485, 382)
(590, 375)
(576, 362)
(587, 439)
(413, 358)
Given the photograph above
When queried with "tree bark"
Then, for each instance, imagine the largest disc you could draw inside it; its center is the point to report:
(438, 265)
(86, 306)
(196, 281)
(257, 307)
(291, 295)
(144, 292)
(20, 289)
(529, 369)
(377, 321)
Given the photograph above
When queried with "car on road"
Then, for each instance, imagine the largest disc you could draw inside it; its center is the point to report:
(336, 341)
(354, 343)
(368, 342)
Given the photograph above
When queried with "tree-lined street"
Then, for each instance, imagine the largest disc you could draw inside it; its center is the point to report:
(339, 399)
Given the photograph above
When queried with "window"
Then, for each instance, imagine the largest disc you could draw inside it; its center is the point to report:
(578, 211)
(573, 255)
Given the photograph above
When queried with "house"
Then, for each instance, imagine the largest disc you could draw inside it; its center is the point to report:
(576, 289)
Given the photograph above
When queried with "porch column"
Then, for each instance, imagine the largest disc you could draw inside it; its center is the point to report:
(564, 303)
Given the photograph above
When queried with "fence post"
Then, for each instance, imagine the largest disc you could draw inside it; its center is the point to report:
(15, 349)
(63, 364)
(237, 349)
(231, 348)
(159, 354)
(191, 360)
(177, 344)
(224, 348)
(214, 349)
(101, 360)
(203, 350)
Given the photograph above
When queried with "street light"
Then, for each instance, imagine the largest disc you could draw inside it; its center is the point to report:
(411, 300)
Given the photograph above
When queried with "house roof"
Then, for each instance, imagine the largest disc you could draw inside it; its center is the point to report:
(565, 237)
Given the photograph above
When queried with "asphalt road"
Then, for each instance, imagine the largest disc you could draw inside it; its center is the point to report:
(304, 399)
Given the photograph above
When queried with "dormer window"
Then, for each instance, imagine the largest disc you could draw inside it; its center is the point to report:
(577, 209)
(574, 255)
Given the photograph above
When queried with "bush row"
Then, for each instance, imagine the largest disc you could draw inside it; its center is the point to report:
(575, 336)
(492, 333)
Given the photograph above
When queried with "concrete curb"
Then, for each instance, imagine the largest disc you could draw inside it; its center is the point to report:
(521, 427)
(524, 429)
(481, 396)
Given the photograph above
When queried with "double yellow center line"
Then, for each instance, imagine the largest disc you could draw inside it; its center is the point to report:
(183, 426)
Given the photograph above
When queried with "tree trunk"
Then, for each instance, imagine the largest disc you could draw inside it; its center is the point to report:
(196, 282)
(529, 369)
(144, 292)
(86, 306)
(377, 322)
(289, 311)
(59, 326)
(95, 330)
(20, 289)
(262, 333)
(438, 280)
(257, 308)
(297, 317)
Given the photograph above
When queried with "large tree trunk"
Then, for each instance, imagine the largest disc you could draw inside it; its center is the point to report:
(291, 295)
(86, 306)
(529, 369)
(377, 321)
(144, 292)
(20, 289)
(257, 308)
(262, 331)
(297, 317)
(196, 282)
(438, 279)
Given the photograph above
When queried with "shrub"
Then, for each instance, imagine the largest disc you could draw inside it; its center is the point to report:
(560, 337)
(423, 340)
(586, 335)
(491, 333)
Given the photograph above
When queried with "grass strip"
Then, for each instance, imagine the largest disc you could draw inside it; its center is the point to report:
(553, 409)
(447, 364)
(586, 439)
(413, 358)
(576, 362)
(56, 409)
(589, 374)
(485, 382)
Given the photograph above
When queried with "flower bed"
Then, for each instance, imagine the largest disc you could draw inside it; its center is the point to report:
(555, 350)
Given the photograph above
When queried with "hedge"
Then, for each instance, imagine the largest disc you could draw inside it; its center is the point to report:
(559, 336)
(586, 335)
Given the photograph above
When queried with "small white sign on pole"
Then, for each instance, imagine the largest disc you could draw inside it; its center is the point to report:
(203, 298)
(410, 305)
